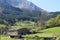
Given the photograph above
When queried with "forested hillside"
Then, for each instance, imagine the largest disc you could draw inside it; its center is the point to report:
(10, 14)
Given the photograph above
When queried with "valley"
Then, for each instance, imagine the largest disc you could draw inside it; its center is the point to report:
(23, 20)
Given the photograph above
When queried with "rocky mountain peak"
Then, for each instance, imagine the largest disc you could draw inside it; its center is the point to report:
(22, 4)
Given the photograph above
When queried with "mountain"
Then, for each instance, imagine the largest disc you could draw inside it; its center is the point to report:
(13, 10)
(4, 4)
(9, 12)
(24, 4)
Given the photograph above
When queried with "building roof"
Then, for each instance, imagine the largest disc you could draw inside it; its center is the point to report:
(16, 32)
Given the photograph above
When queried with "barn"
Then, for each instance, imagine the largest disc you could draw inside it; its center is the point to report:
(17, 33)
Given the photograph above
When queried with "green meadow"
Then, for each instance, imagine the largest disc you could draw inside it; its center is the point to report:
(52, 30)
(4, 37)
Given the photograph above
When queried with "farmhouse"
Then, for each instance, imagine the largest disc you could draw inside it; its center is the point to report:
(17, 33)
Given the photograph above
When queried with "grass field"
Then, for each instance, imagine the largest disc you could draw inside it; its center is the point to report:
(41, 35)
(3, 37)
(52, 30)
(2, 25)
(25, 24)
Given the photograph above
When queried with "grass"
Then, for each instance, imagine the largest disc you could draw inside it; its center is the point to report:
(2, 25)
(3, 37)
(41, 35)
(52, 30)
(25, 24)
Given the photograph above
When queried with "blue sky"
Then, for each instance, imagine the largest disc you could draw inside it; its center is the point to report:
(49, 5)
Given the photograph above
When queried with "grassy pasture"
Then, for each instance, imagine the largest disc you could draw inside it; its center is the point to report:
(25, 24)
(52, 30)
(3, 37)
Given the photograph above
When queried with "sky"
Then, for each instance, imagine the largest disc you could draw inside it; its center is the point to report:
(48, 5)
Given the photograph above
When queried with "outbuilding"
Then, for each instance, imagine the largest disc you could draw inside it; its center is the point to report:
(17, 33)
